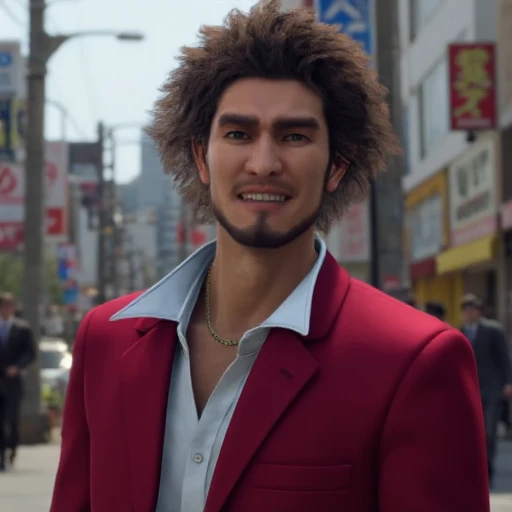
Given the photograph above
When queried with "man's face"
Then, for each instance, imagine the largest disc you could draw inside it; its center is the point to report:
(267, 162)
(7, 310)
(470, 314)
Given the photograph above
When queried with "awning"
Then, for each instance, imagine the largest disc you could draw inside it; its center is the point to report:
(458, 258)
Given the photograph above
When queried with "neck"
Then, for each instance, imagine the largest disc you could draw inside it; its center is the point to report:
(248, 285)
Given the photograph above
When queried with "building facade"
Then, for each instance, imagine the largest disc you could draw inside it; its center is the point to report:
(453, 185)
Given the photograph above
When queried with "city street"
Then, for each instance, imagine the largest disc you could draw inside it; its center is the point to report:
(28, 489)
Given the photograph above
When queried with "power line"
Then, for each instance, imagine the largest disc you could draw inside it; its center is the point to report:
(11, 14)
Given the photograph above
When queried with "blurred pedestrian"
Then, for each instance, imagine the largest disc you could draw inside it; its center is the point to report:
(490, 345)
(436, 308)
(258, 376)
(17, 351)
(411, 301)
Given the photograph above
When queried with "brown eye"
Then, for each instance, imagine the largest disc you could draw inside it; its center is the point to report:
(236, 135)
(296, 137)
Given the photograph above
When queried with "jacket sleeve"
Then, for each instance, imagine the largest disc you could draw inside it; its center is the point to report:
(503, 354)
(71, 491)
(432, 452)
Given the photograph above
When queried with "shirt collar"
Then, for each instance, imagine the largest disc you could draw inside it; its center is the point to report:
(170, 297)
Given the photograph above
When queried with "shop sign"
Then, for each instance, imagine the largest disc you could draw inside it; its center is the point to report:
(425, 229)
(473, 202)
(472, 86)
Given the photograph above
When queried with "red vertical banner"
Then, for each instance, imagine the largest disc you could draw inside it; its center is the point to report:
(472, 72)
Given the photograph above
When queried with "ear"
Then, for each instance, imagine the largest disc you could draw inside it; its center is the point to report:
(200, 158)
(338, 169)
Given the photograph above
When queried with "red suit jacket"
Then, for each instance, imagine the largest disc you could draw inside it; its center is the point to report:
(377, 409)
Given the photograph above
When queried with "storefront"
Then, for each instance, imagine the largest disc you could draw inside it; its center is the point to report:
(506, 218)
(473, 260)
(427, 234)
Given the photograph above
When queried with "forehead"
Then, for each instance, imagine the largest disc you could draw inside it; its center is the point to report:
(270, 99)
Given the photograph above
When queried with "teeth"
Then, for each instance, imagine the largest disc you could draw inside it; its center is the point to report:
(263, 197)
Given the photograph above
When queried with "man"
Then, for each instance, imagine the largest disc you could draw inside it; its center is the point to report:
(436, 308)
(494, 368)
(411, 301)
(17, 351)
(258, 376)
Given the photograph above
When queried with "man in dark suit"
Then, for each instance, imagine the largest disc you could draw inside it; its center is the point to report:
(17, 351)
(436, 308)
(494, 367)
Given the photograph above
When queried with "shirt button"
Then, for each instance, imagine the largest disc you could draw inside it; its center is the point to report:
(198, 458)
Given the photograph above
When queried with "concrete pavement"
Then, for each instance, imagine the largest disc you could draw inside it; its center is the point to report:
(502, 492)
(29, 487)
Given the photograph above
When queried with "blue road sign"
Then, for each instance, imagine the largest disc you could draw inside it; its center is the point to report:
(354, 17)
(5, 59)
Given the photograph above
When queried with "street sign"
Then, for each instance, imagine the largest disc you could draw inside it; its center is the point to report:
(10, 67)
(7, 128)
(355, 18)
(5, 59)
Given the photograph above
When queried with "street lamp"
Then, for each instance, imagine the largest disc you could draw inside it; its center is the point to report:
(42, 47)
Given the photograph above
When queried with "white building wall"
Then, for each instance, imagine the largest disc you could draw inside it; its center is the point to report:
(453, 20)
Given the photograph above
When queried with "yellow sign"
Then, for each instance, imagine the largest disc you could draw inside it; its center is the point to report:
(474, 80)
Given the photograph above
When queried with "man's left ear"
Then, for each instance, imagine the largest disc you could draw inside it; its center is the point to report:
(338, 170)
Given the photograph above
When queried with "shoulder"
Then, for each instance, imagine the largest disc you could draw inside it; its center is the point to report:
(389, 325)
(491, 324)
(21, 324)
(97, 331)
(98, 320)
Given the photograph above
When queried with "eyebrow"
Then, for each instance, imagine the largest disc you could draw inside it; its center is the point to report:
(280, 123)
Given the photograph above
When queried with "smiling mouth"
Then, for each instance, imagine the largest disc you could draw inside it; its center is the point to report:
(266, 198)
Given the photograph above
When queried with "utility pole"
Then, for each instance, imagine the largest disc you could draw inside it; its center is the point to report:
(42, 46)
(33, 263)
(183, 248)
(102, 220)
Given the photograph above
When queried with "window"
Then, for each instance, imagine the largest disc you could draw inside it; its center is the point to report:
(434, 107)
(420, 13)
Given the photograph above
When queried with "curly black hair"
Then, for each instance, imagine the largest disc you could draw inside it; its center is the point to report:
(270, 43)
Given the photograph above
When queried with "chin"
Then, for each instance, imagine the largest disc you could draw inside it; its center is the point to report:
(262, 236)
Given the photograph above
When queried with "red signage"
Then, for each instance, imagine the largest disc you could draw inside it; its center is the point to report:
(11, 235)
(8, 181)
(55, 221)
(472, 86)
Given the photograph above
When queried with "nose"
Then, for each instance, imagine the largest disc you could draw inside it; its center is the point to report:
(264, 158)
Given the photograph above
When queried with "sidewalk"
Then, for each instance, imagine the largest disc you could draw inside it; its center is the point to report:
(29, 487)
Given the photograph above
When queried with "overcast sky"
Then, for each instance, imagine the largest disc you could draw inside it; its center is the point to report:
(101, 78)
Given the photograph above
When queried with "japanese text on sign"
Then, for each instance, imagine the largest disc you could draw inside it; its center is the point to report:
(472, 86)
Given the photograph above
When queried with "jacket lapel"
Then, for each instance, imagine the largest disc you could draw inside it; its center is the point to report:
(145, 373)
(282, 369)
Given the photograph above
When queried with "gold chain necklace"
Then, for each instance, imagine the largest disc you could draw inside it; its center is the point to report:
(224, 341)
